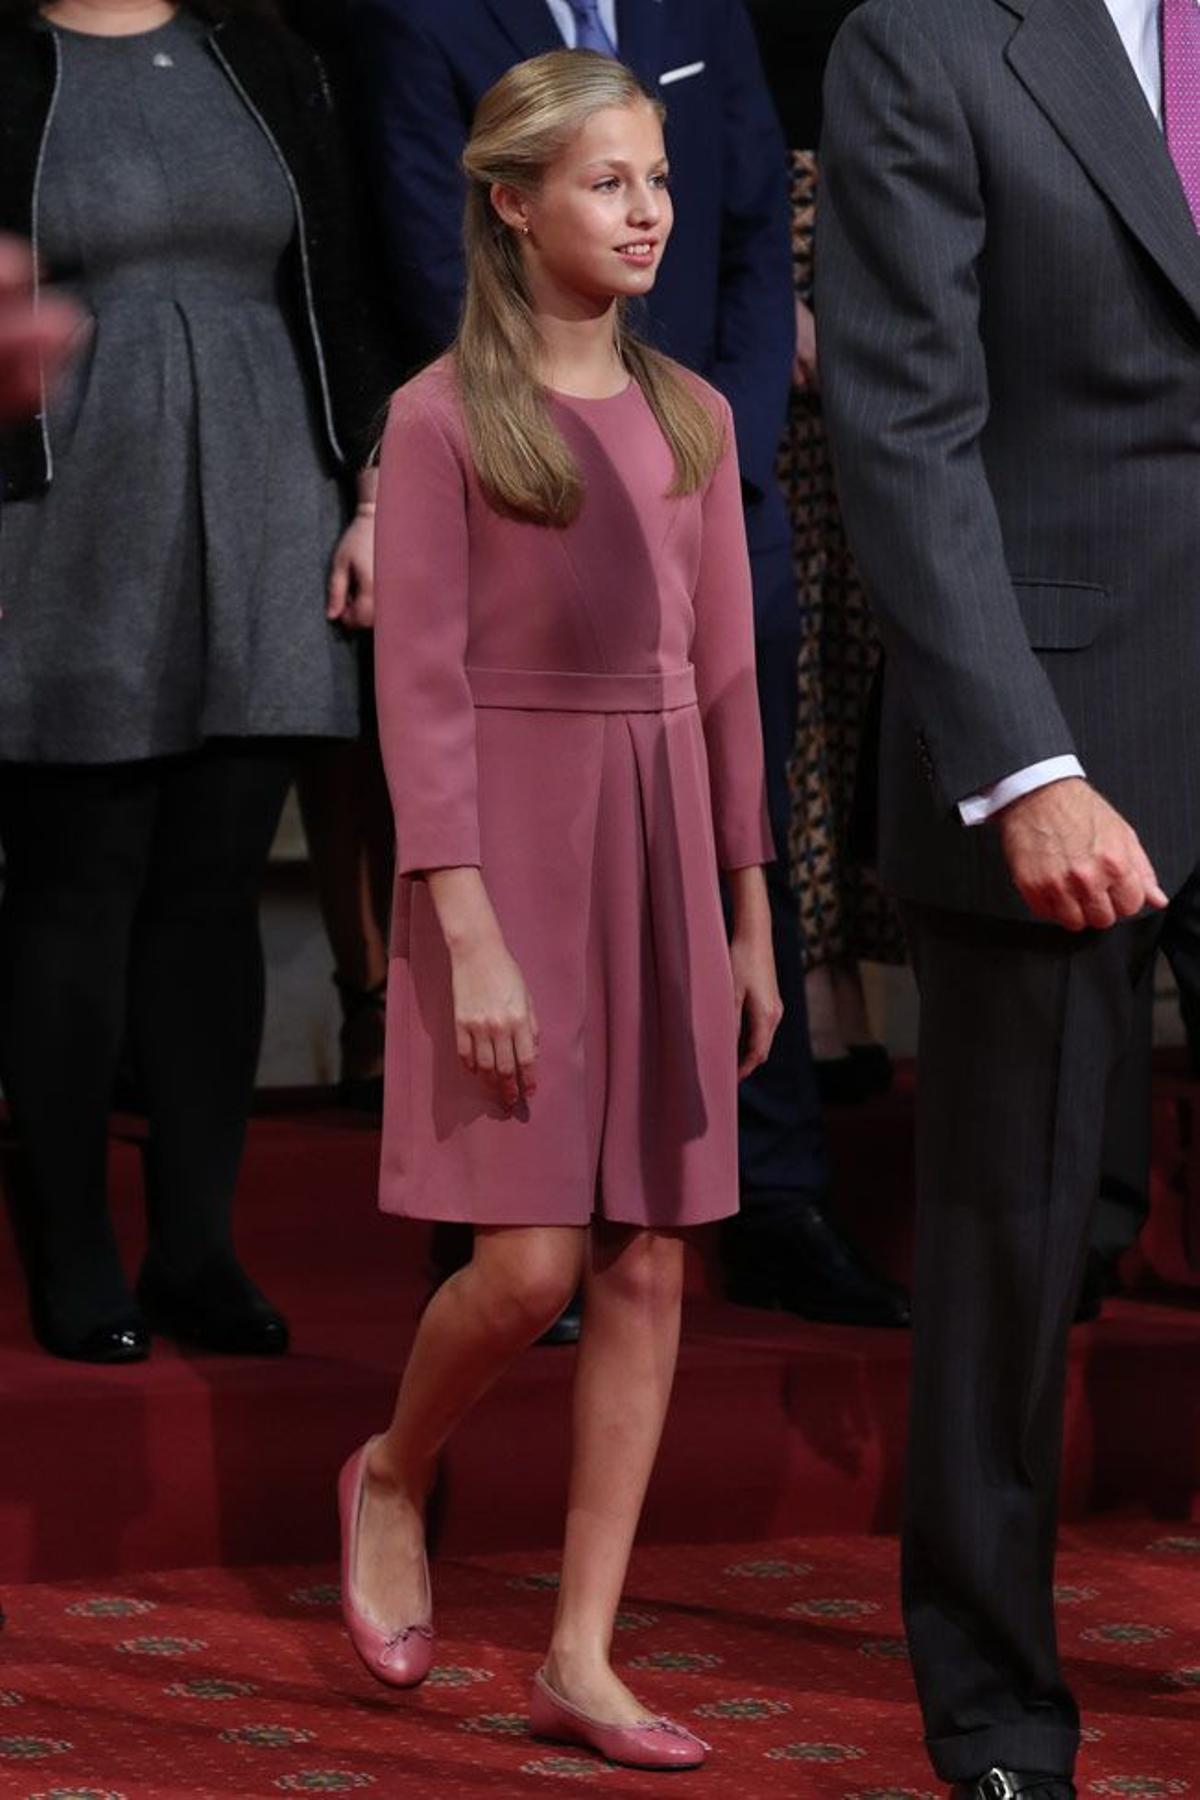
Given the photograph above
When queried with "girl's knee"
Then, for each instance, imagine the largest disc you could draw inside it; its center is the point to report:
(532, 1284)
(648, 1270)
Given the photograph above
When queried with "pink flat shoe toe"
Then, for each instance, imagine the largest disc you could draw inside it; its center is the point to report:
(658, 1744)
(401, 1659)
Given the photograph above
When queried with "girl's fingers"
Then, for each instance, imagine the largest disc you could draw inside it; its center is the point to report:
(339, 586)
(485, 1053)
(465, 1047)
(506, 1069)
(760, 1030)
(525, 1047)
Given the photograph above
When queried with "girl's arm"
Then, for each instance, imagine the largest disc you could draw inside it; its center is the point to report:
(727, 691)
(723, 655)
(494, 1020)
(426, 712)
(427, 734)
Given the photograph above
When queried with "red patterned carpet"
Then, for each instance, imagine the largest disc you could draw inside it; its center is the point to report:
(786, 1657)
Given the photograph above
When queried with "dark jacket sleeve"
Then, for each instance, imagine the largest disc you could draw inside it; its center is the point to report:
(756, 329)
(363, 351)
(415, 125)
(900, 235)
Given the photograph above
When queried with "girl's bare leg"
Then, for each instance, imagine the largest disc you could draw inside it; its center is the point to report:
(633, 1289)
(476, 1324)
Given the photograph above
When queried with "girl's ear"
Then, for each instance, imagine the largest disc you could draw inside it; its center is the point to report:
(512, 207)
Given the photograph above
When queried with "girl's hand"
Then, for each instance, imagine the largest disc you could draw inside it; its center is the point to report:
(494, 1020)
(352, 576)
(752, 960)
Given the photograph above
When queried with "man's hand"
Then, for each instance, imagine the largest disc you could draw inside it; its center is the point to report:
(1074, 860)
(34, 343)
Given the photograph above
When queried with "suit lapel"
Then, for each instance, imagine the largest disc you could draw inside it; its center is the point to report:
(1068, 55)
(640, 36)
(528, 25)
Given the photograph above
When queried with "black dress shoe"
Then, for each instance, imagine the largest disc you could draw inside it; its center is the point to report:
(1014, 1784)
(798, 1261)
(567, 1326)
(217, 1309)
(126, 1341)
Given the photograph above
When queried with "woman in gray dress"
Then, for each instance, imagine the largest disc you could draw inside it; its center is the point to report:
(180, 556)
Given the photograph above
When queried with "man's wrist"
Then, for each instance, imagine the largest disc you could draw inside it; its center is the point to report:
(978, 808)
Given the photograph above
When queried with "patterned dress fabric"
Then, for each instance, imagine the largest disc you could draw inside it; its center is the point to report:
(843, 911)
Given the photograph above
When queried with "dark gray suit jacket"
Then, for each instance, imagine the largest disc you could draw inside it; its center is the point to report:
(1008, 290)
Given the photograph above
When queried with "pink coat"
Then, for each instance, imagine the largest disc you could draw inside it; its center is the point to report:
(574, 712)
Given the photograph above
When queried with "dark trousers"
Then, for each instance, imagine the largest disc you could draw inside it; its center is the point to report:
(1022, 1028)
(130, 915)
(1124, 1202)
(781, 1129)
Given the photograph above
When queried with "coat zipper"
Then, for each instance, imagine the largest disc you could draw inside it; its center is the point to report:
(302, 230)
(35, 245)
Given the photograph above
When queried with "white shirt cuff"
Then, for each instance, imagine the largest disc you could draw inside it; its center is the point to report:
(977, 808)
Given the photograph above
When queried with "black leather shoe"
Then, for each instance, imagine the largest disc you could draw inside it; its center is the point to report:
(1014, 1784)
(567, 1326)
(218, 1309)
(127, 1341)
(800, 1262)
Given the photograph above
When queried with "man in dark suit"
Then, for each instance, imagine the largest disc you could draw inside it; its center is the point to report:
(1009, 308)
(723, 304)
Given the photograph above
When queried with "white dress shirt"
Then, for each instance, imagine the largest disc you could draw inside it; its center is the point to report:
(1139, 25)
(564, 18)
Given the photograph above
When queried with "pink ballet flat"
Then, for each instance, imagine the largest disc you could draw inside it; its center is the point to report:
(403, 1658)
(658, 1744)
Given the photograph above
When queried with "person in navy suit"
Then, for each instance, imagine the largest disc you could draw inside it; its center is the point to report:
(724, 306)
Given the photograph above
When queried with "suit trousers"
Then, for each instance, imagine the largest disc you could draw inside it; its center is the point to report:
(1022, 1028)
(1125, 1181)
(782, 1146)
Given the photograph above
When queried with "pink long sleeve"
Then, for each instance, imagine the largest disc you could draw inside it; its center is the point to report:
(426, 714)
(723, 655)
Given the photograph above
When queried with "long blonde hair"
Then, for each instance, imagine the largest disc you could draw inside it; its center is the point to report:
(524, 464)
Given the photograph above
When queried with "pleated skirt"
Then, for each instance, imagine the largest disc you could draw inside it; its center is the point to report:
(598, 855)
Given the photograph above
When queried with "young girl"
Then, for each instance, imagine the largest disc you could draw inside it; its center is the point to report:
(569, 721)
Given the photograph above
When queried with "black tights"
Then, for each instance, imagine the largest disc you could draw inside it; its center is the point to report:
(130, 915)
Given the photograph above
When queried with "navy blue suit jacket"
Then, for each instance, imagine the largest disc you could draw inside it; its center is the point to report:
(723, 302)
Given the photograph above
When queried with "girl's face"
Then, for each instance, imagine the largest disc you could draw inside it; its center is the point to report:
(599, 224)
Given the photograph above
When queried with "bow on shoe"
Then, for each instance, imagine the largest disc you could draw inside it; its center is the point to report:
(680, 1731)
(399, 1638)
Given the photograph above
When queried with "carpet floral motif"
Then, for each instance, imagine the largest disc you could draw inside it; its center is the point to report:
(788, 1657)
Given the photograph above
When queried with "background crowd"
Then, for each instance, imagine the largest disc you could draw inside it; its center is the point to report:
(261, 221)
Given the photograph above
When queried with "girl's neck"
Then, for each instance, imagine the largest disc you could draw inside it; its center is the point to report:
(110, 18)
(580, 356)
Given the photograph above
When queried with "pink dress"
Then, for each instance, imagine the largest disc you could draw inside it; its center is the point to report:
(575, 713)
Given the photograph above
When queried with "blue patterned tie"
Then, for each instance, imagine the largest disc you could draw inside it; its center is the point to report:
(589, 29)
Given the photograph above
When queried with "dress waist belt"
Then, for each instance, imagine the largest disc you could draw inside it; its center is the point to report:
(569, 690)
